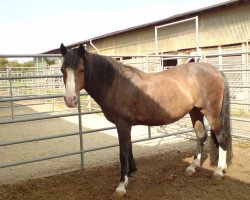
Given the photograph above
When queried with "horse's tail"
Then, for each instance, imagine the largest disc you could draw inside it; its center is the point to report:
(225, 132)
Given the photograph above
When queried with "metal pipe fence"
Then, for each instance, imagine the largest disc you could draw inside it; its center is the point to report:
(148, 63)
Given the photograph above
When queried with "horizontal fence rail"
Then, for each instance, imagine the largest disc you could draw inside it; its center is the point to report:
(239, 85)
(88, 150)
(29, 77)
(55, 136)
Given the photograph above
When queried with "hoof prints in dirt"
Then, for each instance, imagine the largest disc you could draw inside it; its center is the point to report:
(158, 177)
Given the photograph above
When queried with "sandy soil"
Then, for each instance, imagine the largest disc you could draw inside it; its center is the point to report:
(161, 164)
(160, 176)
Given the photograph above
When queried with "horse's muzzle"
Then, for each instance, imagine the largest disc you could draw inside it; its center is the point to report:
(71, 101)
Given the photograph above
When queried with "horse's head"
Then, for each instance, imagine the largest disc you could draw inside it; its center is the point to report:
(73, 73)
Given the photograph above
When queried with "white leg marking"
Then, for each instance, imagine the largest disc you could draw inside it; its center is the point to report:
(195, 163)
(222, 163)
(120, 190)
(218, 173)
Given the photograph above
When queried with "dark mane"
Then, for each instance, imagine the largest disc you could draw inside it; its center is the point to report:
(101, 71)
(106, 66)
(98, 70)
(72, 59)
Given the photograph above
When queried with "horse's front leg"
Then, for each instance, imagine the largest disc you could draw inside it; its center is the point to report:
(132, 166)
(124, 143)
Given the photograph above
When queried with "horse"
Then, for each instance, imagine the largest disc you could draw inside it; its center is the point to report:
(128, 97)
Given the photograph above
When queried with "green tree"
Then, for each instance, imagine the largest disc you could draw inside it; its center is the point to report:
(28, 63)
(49, 61)
(15, 65)
(3, 62)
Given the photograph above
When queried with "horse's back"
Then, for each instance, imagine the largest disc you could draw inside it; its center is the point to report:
(163, 97)
(196, 69)
(206, 84)
(168, 96)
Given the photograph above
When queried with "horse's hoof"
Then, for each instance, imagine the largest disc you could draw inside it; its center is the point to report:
(190, 171)
(218, 175)
(119, 192)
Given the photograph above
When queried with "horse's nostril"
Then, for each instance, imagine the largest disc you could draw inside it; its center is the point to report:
(70, 100)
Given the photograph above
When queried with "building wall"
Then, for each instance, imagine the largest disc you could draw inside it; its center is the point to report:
(222, 27)
(227, 27)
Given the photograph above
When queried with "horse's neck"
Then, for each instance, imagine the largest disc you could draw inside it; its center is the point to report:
(99, 77)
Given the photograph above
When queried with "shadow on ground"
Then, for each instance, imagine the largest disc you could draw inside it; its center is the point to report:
(160, 176)
(161, 167)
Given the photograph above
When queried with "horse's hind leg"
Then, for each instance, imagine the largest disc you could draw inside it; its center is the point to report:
(218, 116)
(201, 135)
(220, 148)
(220, 143)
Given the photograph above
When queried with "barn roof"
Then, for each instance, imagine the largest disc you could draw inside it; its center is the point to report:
(173, 18)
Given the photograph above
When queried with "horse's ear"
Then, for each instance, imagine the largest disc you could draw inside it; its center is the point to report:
(63, 50)
(81, 50)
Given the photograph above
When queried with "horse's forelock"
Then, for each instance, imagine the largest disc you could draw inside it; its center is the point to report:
(71, 59)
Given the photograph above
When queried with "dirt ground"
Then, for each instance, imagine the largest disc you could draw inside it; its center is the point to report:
(161, 164)
(159, 176)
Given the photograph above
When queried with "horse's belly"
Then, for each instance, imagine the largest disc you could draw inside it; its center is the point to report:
(157, 117)
(163, 108)
(154, 122)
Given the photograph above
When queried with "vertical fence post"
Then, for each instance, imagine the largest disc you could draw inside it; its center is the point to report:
(52, 82)
(11, 94)
(149, 132)
(80, 131)
(147, 65)
(197, 37)
(244, 65)
(220, 58)
(156, 41)
(89, 103)
(147, 68)
(248, 75)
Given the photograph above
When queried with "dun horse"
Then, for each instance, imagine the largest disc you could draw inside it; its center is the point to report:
(130, 97)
